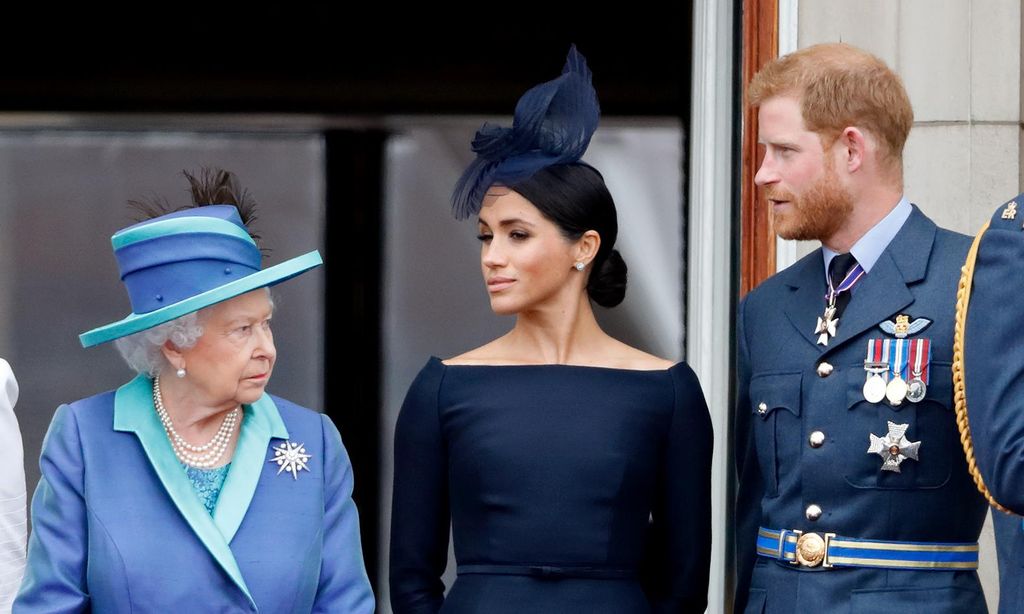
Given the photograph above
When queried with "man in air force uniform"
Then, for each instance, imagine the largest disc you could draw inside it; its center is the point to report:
(853, 494)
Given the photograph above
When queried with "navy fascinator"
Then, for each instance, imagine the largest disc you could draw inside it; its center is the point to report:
(553, 124)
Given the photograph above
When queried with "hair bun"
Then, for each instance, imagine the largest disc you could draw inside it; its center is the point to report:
(607, 285)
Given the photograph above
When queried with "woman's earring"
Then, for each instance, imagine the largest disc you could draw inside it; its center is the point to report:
(180, 372)
(580, 266)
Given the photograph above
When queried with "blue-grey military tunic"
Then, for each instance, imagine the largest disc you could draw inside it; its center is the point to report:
(994, 386)
(804, 429)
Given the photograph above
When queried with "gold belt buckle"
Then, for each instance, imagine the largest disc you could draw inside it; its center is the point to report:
(812, 549)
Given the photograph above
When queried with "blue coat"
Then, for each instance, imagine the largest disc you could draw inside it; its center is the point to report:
(994, 388)
(783, 397)
(118, 528)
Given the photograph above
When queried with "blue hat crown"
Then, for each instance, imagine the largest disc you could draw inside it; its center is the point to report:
(179, 255)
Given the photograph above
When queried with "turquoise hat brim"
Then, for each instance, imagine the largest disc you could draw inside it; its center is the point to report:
(139, 322)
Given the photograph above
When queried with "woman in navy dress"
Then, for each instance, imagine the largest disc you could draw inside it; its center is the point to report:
(573, 470)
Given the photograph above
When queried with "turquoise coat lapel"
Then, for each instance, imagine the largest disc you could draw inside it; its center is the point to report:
(134, 412)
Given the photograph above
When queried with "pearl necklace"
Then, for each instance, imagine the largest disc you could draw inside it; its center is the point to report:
(203, 456)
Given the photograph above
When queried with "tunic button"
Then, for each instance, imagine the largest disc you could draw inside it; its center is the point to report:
(762, 408)
(813, 512)
(817, 439)
(824, 369)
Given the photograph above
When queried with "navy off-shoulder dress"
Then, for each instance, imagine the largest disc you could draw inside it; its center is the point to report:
(568, 489)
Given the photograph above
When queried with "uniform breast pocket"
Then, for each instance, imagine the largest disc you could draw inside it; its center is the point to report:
(774, 397)
(929, 423)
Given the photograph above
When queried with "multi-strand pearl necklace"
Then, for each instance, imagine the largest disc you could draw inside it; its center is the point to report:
(206, 455)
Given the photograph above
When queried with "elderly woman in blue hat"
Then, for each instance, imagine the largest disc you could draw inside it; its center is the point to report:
(190, 488)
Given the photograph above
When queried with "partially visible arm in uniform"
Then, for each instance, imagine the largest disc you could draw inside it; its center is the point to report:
(994, 361)
(750, 488)
(12, 491)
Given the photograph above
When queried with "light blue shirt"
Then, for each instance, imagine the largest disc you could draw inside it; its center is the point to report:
(869, 248)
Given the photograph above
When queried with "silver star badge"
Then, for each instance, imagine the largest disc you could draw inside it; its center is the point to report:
(894, 448)
(291, 457)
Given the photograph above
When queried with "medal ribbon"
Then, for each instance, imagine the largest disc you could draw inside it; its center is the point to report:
(914, 358)
(900, 363)
(874, 350)
(887, 356)
(848, 282)
(920, 357)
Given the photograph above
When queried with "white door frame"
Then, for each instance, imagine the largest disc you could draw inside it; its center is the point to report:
(710, 238)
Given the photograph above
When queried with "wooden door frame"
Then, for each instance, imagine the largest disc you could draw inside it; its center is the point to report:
(757, 237)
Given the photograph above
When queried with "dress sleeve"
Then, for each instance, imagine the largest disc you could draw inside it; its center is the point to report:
(12, 491)
(55, 578)
(343, 586)
(750, 486)
(678, 567)
(420, 516)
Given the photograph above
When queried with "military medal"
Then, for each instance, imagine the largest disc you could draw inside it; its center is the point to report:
(894, 447)
(876, 365)
(896, 389)
(874, 385)
(916, 389)
(920, 358)
(827, 321)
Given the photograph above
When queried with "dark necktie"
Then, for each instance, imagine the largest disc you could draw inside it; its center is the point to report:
(838, 269)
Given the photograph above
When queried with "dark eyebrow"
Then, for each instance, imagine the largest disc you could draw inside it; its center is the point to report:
(509, 222)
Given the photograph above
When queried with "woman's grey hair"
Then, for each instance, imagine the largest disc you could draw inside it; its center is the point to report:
(143, 351)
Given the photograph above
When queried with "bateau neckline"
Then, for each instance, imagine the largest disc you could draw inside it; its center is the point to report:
(441, 362)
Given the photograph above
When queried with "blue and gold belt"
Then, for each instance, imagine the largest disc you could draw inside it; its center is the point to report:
(831, 550)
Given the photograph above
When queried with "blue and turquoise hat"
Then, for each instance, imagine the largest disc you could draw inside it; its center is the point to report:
(183, 261)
